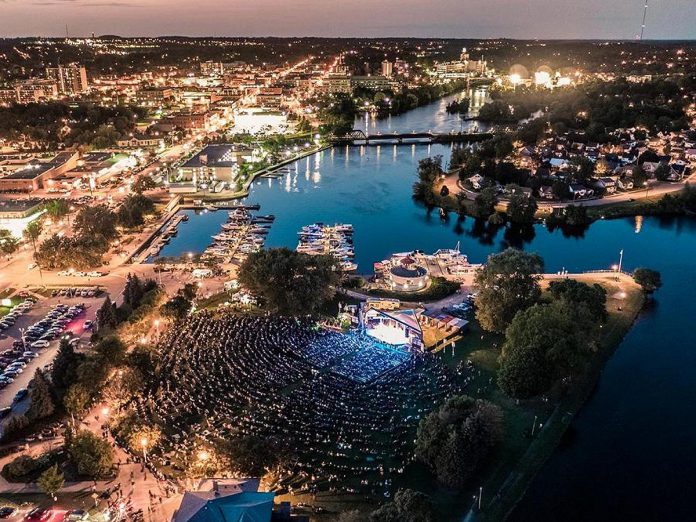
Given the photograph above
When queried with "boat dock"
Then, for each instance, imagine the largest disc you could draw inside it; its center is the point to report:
(334, 240)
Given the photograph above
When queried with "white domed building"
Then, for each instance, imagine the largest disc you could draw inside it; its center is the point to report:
(405, 275)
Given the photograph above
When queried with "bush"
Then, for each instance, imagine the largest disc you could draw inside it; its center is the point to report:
(27, 469)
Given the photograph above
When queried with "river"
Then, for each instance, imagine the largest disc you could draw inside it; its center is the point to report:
(630, 449)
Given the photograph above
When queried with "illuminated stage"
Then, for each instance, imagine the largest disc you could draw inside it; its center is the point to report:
(388, 334)
(396, 328)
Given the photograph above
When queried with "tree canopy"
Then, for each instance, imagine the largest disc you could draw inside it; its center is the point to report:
(648, 279)
(291, 283)
(508, 283)
(456, 439)
(551, 341)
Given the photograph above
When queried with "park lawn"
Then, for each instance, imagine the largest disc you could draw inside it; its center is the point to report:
(521, 456)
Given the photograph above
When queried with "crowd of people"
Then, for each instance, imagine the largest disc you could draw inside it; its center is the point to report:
(345, 408)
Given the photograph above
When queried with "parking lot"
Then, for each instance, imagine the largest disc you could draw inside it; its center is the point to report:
(74, 327)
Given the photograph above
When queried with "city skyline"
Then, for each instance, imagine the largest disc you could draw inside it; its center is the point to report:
(593, 19)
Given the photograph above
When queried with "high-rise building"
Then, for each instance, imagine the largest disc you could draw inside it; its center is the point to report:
(387, 68)
(71, 79)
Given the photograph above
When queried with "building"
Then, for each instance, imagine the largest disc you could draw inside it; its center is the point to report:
(335, 84)
(270, 97)
(232, 500)
(36, 174)
(154, 96)
(405, 275)
(387, 68)
(34, 91)
(375, 83)
(71, 79)
(188, 120)
(7, 97)
(255, 120)
(219, 162)
(15, 214)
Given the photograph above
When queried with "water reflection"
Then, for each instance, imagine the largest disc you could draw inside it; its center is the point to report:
(433, 117)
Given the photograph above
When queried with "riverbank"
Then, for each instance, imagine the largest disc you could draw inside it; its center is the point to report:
(524, 454)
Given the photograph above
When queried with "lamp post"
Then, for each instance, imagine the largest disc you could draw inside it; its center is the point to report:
(143, 443)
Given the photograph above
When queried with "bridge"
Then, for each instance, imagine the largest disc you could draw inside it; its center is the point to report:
(358, 137)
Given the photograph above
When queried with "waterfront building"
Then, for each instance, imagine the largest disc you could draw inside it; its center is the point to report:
(405, 275)
(218, 162)
(70, 79)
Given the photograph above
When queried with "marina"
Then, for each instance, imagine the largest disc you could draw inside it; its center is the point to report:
(334, 240)
(242, 234)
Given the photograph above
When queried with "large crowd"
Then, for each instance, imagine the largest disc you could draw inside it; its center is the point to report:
(346, 408)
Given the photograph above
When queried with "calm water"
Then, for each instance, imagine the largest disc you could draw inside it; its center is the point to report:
(633, 444)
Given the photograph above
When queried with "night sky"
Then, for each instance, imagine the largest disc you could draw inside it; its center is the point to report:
(621, 19)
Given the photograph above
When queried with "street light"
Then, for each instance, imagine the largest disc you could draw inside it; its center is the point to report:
(143, 443)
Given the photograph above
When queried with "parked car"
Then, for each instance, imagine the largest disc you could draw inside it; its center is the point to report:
(38, 515)
(20, 395)
(76, 515)
(7, 511)
(88, 325)
(40, 344)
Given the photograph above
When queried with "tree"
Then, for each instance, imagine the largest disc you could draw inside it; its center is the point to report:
(291, 283)
(51, 481)
(144, 438)
(251, 455)
(663, 172)
(97, 222)
(143, 184)
(521, 208)
(106, 318)
(8, 243)
(177, 307)
(484, 203)
(560, 190)
(57, 208)
(508, 283)
(133, 210)
(458, 438)
(544, 344)
(583, 168)
(41, 403)
(110, 350)
(93, 455)
(65, 366)
(648, 279)
(76, 400)
(32, 232)
(593, 297)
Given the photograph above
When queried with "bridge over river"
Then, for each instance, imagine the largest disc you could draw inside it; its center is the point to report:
(358, 137)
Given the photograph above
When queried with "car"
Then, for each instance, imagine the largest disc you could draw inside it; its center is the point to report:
(38, 515)
(6, 511)
(40, 344)
(30, 354)
(76, 515)
(4, 412)
(9, 375)
(88, 324)
(20, 395)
